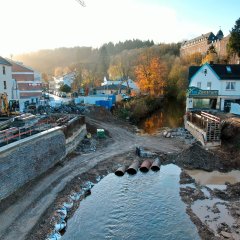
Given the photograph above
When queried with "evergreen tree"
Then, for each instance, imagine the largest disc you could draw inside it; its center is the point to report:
(233, 46)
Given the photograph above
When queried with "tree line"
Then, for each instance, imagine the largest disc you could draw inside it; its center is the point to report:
(158, 69)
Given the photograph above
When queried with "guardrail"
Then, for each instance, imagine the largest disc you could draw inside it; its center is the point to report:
(16, 133)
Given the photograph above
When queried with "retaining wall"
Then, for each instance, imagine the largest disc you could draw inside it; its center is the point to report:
(26, 159)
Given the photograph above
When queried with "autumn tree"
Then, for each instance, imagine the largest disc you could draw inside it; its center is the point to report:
(151, 74)
(192, 59)
(78, 81)
(58, 71)
(211, 55)
(233, 46)
(177, 80)
(45, 77)
(122, 65)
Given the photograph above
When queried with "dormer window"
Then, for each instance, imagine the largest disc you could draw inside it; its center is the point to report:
(229, 70)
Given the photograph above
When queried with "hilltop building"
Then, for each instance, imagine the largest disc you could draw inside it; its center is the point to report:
(202, 43)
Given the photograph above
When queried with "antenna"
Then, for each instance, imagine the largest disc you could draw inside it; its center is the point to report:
(81, 3)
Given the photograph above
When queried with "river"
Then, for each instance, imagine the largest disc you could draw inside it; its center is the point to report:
(170, 116)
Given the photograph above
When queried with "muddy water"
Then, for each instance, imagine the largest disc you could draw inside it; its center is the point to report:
(139, 207)
(170, 116)
(214, 177)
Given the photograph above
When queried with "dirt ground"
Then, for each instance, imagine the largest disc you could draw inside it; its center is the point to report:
(31, 212)
(215, 212)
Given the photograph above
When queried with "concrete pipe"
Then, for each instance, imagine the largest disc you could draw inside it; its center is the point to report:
(120, 171)
(133, 168)
(156, 165)
(145, 166)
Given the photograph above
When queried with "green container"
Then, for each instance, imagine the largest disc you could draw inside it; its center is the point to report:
(100, 133)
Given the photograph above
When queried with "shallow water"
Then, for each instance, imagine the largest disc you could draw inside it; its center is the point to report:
(140, 207)
(171, 116)
(214, 178)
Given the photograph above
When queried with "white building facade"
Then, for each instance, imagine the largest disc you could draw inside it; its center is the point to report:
(213, 86)
(8, 85)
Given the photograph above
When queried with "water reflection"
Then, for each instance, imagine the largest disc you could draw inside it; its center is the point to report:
(170, 116)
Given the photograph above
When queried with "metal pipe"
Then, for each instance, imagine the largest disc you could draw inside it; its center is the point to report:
(133, 168)
(156, 165)
(145, 166)
(120, 171)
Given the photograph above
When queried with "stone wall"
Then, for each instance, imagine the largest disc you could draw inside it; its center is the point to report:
(26, 159)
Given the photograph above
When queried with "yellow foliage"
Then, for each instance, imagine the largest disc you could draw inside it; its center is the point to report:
(211, 57)
(151, 75)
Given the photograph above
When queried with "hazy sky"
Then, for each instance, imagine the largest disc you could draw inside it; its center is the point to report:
(30, 25)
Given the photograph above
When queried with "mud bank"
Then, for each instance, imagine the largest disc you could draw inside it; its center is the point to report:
(215, 212)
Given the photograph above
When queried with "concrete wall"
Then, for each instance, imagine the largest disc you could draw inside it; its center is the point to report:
(24, 160)
(74, 132)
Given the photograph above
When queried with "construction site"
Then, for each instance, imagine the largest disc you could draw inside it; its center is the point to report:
(45, 158)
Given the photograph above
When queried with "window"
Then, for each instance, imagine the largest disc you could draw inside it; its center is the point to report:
(199, 84)
(229, 70)
(4, 70)
(4, 85)
(230, 86)
(209, 85)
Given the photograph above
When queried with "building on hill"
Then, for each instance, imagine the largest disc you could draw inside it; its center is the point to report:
(213, 86)
(202, 43)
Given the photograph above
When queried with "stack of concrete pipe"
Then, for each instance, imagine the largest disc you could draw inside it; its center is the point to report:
(145, 167)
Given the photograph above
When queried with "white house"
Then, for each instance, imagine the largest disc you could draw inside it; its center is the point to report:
(64, 79)
(8, 85)
(127, 83)
(213, 86)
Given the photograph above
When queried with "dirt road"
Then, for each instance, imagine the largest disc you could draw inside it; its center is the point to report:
(19, 218)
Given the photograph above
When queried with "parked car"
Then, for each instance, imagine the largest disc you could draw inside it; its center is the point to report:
(125, 97)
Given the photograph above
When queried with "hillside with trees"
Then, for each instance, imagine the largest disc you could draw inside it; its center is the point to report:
(157, 69)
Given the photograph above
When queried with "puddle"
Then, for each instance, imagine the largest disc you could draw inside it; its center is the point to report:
(214, 178)
(138, 207)
(213, 212)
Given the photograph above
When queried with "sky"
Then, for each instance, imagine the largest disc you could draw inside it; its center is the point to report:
(31, 25)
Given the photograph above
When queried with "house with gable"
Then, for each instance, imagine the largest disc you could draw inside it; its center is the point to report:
(121, 83)
(213, 86)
